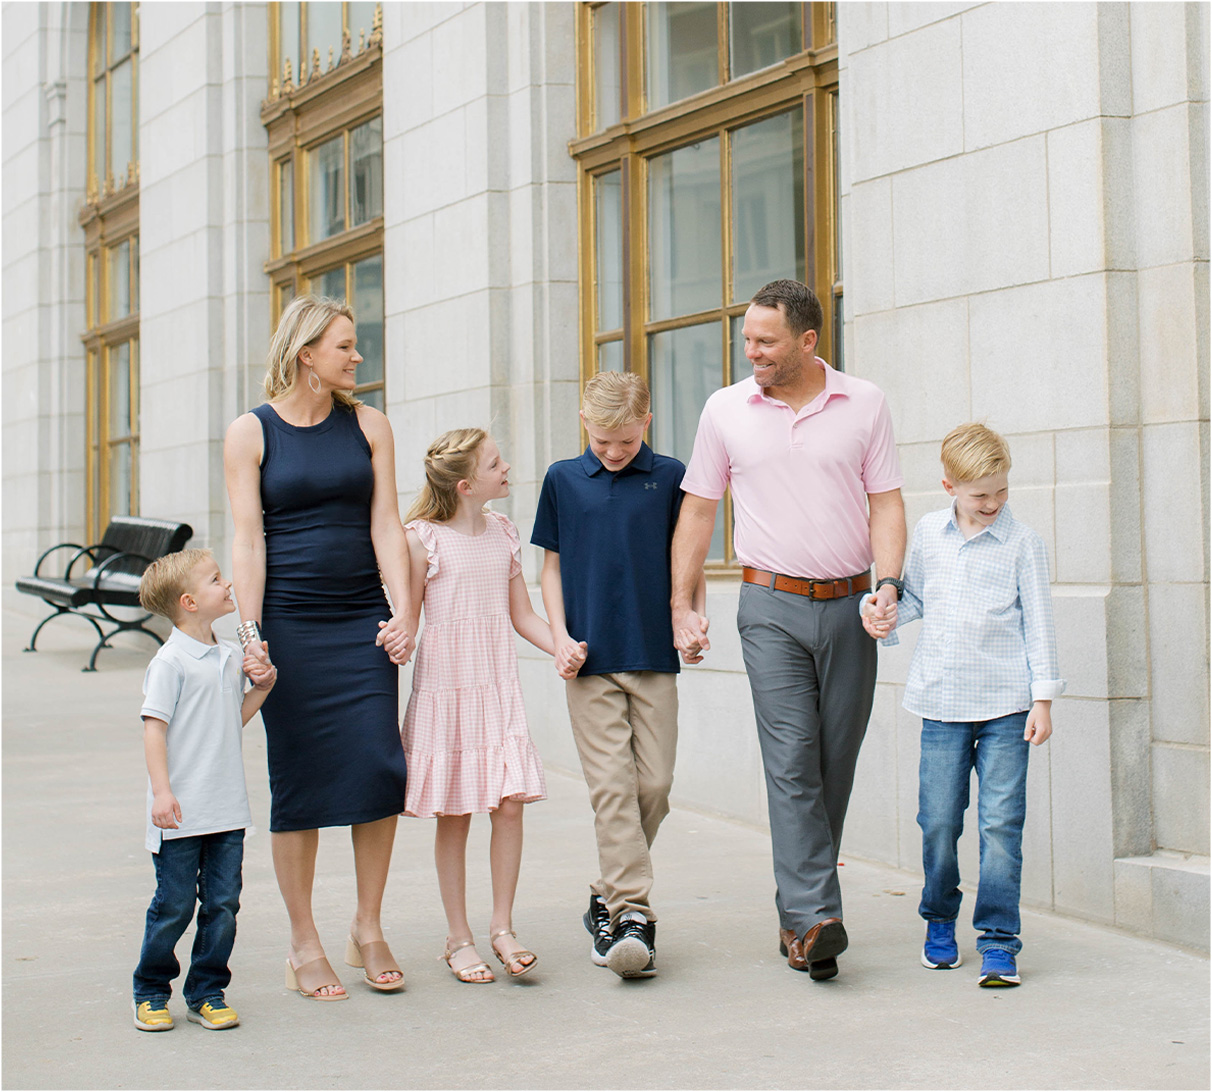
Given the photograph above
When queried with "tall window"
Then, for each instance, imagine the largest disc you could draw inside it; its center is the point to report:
(706, 161)
(324, 114)
(110, 219)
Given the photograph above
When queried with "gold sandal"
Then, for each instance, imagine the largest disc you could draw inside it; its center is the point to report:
(515, 957)
(318, 971)
(375, 958)
(464, 973)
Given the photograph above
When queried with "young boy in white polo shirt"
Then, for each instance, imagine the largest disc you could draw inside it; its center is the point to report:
(194, 712)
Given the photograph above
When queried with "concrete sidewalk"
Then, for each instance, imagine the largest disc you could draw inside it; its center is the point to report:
(1098, 1009)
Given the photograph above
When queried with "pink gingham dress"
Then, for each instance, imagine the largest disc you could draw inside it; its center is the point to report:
(465, 734)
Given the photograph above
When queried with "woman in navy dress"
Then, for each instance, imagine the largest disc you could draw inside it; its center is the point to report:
(311, 477)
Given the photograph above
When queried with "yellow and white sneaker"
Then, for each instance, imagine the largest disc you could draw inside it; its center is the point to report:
(213, 1017)
(152, 1015)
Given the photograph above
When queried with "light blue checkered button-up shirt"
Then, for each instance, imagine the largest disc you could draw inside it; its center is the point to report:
(987, 646)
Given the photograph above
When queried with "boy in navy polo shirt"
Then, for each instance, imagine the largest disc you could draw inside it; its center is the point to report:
(605, 521)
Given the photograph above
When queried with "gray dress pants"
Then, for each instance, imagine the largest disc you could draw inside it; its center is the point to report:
(811, 668)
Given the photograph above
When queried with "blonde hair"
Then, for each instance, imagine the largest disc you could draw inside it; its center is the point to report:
(303, 323)
(166, 579)
(453, 457)
(974, 451)
(615, 399)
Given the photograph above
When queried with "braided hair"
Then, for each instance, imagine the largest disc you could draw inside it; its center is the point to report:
(453, 457)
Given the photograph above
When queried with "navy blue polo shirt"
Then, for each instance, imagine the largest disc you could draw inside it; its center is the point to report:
(613, 533)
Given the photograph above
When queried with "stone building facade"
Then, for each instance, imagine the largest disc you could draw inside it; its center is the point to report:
(1018, 198)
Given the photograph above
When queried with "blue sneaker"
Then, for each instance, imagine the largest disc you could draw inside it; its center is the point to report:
(940, 952)
(998, 968)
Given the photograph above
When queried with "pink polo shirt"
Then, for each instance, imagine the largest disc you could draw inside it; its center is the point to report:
(799, 480)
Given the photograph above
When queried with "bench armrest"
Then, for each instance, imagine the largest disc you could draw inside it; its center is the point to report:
(62, 546)
(99, 571)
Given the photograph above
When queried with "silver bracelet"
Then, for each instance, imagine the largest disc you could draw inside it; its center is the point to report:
(249, 634)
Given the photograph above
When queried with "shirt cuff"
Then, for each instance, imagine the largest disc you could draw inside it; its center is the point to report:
(1049, 690)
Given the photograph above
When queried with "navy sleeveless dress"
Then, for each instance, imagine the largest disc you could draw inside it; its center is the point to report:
(332, 718)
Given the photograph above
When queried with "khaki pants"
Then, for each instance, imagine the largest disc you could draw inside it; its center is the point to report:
(626, 729)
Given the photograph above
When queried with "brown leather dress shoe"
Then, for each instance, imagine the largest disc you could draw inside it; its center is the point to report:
(825, 940)
(790, 946)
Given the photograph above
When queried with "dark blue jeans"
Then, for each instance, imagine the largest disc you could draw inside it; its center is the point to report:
(206, 868)
(950, 750)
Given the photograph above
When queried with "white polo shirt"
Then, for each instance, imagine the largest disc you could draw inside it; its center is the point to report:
(197, 690)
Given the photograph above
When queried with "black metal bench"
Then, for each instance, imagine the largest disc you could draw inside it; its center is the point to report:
(129, 545)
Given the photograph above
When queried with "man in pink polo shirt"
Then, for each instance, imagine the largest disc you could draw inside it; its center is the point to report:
(809, 455)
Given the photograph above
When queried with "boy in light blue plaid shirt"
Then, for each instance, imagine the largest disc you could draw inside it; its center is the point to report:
(983, 678)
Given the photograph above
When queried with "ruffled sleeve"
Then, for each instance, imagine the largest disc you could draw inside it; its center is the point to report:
(425, 532)
(515, 543)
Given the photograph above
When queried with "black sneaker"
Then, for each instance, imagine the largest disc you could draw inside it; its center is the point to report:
(633, 953)
(597, 923)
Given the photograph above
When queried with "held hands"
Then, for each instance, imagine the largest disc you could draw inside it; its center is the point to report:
(395, 639)
(690, 635)
(570, 658)
(165, 812)
(879, 612)
(1039, 722)
(258, 667)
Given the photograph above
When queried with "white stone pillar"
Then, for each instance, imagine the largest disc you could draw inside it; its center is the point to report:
(204, 235)
(44, 134)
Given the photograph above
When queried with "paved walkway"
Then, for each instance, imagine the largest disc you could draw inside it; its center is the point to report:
(1098, 1009)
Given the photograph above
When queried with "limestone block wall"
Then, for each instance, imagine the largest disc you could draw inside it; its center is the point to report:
(43, 152)
(204, 236)
(1014, 254)
(480, 245)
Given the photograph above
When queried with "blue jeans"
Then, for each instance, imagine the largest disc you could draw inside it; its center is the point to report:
(206, 868)
(950, 750)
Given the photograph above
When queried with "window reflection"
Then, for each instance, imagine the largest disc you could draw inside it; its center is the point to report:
(606, 85)
(119, 280)
(286, 205)
(323, 33)
(684, 370)
(121, 132)
(683, 51)
(331, 283)
(610, 356)
(120, 480)
(119, 390)
(368, 311)
(763, 34)
(608, 192)
(327, 188)
(366, 171)
(684, 229)
(767, 202)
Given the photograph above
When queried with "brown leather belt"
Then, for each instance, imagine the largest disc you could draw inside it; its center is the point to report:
(813, 589)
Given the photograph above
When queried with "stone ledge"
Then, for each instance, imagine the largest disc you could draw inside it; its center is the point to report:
(1164, 895)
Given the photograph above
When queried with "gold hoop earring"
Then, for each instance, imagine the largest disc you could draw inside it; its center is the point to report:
(311, 375)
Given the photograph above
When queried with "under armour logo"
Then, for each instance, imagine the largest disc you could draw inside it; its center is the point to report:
(650, 485)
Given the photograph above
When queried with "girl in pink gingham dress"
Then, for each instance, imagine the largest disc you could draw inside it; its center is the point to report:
(465, 735)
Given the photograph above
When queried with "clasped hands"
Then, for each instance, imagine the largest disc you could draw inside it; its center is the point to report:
(690, 635)
(570, 658)
(258, 666)
(394, 638)
(878, 611)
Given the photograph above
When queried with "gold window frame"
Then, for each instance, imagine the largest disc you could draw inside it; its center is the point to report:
(96, 188)
(808, 79)
(109, 218)
(301, 117)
